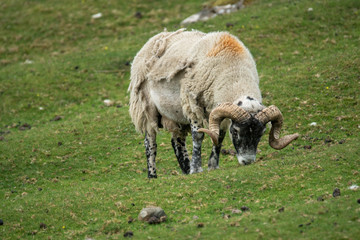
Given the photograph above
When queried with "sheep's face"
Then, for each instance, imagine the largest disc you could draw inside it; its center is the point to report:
(246, 137)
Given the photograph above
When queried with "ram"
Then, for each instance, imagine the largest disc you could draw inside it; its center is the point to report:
(183, 81)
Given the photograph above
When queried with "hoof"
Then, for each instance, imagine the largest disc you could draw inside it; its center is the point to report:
(186, 171)
(152, 176)
(196, 170)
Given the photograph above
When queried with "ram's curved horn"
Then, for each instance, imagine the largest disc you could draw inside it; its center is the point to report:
(224, 110)
(272, 114)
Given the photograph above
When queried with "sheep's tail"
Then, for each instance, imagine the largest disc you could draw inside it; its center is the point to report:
(142, 111)
(143, 114)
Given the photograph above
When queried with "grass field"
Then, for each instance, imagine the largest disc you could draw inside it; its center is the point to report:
(73, 168)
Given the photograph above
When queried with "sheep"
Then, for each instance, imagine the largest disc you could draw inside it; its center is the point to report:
(184, 80)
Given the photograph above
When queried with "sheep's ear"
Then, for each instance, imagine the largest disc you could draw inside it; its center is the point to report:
(214, 137)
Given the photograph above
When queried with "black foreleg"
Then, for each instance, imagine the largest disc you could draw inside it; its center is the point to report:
(215, 152)
(195, 165)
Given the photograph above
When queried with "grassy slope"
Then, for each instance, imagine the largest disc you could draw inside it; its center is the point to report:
(83, 175)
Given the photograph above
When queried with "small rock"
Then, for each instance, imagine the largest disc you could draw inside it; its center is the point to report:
(244, 208)
(149, 212)
(353, 187)
(56, 118)
(138, 15)
(96, 16)
(307, 147)
(108, 102)
(128, 234)
(200, 225)
(336, 192)
(1, 222)
(24, 127)
(59, 144)
(281, 209)
(27, 61)
(40, 189)
(235, 211)
(358, 201)
(227, 216)
(43, 226)
(228, 25)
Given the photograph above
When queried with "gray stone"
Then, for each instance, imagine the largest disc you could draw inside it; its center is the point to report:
(151, 213)
(209, 13)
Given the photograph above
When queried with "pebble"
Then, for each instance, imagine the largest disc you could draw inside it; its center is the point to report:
(128, 234)
(56, 118)
(108, 102)
(24, 127)
(244, 208)
(336, 192)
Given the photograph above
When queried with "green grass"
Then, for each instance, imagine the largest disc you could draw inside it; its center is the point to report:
(83, 176)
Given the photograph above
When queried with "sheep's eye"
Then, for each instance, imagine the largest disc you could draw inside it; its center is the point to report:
(235, 131)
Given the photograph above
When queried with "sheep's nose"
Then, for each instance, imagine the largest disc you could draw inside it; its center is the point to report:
(246, 159)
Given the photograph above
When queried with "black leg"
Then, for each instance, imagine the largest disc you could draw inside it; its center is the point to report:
(215, 152)
(195, 165)
(178, 142)
(151, 147)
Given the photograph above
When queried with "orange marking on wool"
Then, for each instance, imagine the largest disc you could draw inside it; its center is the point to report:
(226, 44)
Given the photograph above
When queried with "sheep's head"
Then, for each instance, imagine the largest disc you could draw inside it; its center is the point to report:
(247, 129)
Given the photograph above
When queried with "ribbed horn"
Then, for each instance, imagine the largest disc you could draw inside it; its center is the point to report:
(224, 110)
(273, 114)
